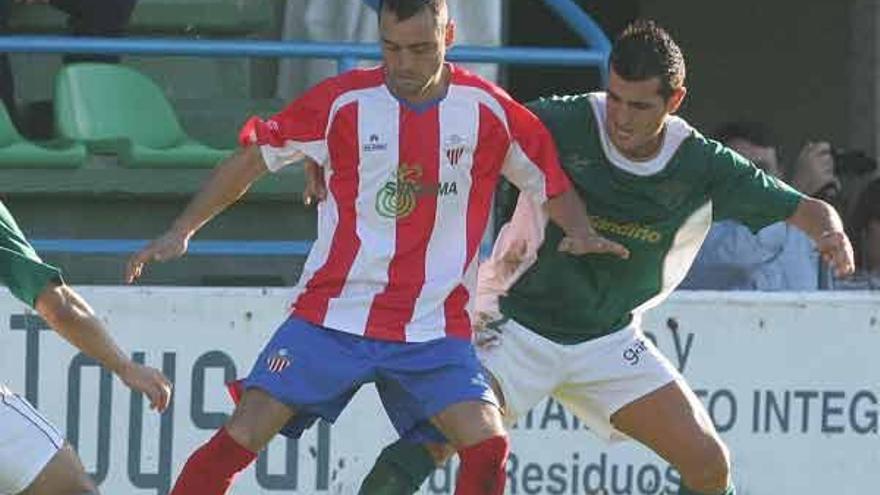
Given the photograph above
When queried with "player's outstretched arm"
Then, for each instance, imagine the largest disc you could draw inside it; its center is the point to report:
(69, 315)
(228, 182)
(568, 211)
(823, 224)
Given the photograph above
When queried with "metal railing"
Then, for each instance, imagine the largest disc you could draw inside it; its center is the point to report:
(593, 54)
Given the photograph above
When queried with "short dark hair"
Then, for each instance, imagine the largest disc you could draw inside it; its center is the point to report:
(645, 50)
(404, 9)
(753, 132)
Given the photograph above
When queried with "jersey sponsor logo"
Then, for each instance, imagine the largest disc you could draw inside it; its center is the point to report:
(278, 361)
(455, 147)
(398, 198)
(632, 230)
(633, 353)
(374, 143)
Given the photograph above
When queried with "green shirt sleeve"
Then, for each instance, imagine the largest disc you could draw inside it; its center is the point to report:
(741, 191)
(21, 269)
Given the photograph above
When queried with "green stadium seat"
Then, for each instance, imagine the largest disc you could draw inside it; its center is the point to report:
(169, 17)
(37, 18)
(17, 152)
(117, 110)
(204, 17)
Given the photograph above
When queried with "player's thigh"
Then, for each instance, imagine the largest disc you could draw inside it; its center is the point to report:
(469, 423)
(438, 380)
(672, 422)
(64, 475)
(28, 442)
(257, 418)
(609, 373)
(302, 369)
(523, 367)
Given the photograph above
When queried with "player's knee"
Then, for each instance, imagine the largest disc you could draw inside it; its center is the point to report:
(709, 470)
(244, 435)
(488, 454)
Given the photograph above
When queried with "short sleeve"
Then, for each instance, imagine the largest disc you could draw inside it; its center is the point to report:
(741, 191)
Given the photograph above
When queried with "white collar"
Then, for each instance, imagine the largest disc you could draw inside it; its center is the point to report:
(677, 130)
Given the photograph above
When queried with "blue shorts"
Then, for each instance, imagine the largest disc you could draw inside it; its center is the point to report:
(318, 370)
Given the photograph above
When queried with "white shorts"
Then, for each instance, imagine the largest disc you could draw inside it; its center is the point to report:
(27, 442)
(593, 380)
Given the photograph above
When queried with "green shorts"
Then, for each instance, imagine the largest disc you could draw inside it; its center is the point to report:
(21, 269)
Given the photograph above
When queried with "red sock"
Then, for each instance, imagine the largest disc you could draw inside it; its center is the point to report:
(482, 467)
(235, 390)
(211, 469)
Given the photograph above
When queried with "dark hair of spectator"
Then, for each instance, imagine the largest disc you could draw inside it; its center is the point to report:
(644, 50)
(753, 132)
(866, 210)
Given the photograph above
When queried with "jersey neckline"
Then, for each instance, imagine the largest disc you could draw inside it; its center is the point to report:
(677, 130)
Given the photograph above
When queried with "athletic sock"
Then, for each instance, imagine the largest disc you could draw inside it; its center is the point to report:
(211, 469)
(400, 470)
(482, 467)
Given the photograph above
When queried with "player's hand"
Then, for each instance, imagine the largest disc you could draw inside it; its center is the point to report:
(150, 382)
(814, 169)
(592, 244)
(837, 252)
(170, 245)
(315, 191)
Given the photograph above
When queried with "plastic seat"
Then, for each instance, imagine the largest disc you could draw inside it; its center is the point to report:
(117, 110)
(17, 152)
(170, 17)
(204, 17)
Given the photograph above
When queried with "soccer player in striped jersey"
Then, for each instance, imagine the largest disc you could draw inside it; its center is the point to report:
(571, 327)
(412, 152)
(34, 457)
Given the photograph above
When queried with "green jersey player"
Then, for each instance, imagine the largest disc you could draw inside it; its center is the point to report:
(569, 327)
(34, 458)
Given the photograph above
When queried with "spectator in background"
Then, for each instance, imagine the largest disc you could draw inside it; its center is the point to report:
(85, 18)
(865, 228)
(780, 256)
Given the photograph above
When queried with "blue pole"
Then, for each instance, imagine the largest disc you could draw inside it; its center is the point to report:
(585, 27)
(344, 51)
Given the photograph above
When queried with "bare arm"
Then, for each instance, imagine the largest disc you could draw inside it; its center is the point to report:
(569, 212)
(228, 182)
(69, 315)
(820, 221)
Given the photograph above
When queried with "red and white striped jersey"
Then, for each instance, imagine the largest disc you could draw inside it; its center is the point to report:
(409, 193)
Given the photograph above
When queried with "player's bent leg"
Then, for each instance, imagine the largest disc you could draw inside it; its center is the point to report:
(63, 475)
(476, 430)
(403, 466)
(672, 422)
(211, 469)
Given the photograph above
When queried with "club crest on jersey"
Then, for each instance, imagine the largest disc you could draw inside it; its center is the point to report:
(374, 143)
(455, 147)
(278, 361)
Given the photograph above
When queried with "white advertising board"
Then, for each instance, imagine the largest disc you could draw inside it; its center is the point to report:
(792, 382)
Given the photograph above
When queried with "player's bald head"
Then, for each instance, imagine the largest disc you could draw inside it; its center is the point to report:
(405, 9)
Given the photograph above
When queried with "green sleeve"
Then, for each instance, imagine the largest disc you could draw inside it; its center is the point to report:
(21, 269)
(741, 191)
